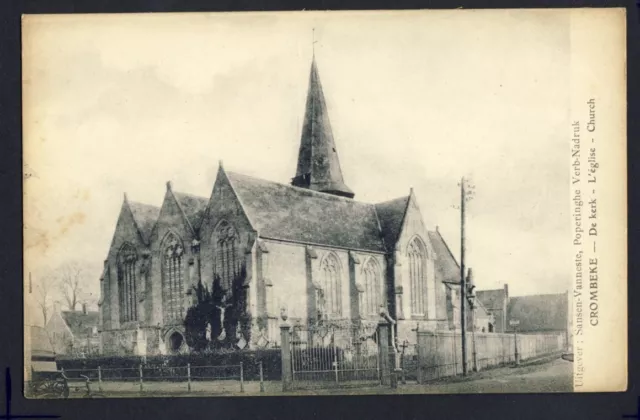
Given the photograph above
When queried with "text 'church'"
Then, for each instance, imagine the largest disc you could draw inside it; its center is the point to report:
(308, 245)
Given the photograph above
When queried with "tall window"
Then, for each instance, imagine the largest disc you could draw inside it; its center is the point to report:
(331, 286)
(372, 288)
(172, 278)
(418, 276)
(227, 262)
(127, 258)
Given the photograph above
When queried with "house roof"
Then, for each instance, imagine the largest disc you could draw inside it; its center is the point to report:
(280, 211)
(193, 206)
(446, 267)
(145, 216)
(492, 299)
(547, 312)
(80, 323)
(391, 215)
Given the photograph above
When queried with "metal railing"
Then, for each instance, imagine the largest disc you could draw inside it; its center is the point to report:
(221, 378)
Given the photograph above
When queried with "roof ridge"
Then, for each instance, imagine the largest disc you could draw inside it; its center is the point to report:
(306, 190)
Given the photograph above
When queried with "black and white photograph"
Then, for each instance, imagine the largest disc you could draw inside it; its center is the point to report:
(324, 203)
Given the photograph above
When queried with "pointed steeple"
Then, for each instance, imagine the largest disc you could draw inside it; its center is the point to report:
(318, 164)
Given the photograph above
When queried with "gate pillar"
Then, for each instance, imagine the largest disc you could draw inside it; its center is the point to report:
(383, 351)
(285, 355)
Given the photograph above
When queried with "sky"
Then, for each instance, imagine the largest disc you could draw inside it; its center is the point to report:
(125, 103)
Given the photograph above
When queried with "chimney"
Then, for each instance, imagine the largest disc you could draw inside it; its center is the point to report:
(84, 308)
(506, 291)
(56, 307)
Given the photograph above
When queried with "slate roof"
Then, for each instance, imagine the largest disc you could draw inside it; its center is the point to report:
(193, 206)
(280, 211)
(80, 323)
(318, 163)
(391, 215)
(145, 216)
(447, 268)
(492, 299)
(539, 312)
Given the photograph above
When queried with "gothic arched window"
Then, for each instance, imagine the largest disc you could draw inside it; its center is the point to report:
(127, 258)
(372, 298)
(172, 278)
(227, 262)
(331, 286)
(418, 276)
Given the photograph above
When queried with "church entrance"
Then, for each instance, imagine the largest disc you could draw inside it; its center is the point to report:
(175, 342)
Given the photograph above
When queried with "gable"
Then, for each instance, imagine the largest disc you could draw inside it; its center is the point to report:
(224, 204)
(145, 217)
(171, 218)
(284, 212)
(126, 231)
(492, 299)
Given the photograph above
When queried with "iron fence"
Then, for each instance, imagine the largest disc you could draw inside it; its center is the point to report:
(163, 378)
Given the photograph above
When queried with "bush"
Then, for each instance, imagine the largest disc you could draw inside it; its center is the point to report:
(270, 358)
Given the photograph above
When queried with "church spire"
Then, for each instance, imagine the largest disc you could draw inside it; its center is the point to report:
(318, 164)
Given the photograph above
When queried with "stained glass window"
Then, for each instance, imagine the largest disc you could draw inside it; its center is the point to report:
(227, 263)
(418, 276)
(127, 258)
(372, 298)
(172, 279)
(331, 286)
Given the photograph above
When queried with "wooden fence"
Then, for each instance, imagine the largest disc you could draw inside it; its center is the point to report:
(439, 354)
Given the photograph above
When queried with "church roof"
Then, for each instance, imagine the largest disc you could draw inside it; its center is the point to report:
(318, 164)
(285, 212)
(145, 216)
(193, 206)
(447, 268)
(391, 215)
(539, 313)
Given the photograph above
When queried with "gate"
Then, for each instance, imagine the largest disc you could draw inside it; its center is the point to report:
(335, 356)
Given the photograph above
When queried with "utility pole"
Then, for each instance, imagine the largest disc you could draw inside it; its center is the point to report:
(463, 282)
(466, 193)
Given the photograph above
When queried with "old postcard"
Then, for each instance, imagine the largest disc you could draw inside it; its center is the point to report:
(324, 202)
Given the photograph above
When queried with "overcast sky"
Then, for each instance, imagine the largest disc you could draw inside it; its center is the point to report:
(126, 103)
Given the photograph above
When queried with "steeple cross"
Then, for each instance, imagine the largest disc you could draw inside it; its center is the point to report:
(313, 41)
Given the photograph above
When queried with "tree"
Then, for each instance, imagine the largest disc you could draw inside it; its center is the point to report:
(43, 288)
(71, 282)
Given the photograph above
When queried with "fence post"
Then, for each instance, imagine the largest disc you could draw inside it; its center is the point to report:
(140, 371)
(261, 378)
(241, 378)
(418, 356)
(99, 379)
(285, 356)
(383, 351)
(189, 377)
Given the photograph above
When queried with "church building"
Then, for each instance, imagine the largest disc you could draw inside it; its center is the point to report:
(307, 245)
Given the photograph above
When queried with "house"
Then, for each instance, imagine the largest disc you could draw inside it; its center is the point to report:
(541, 314)
(307, 245)
(74, 333)
(495, 302)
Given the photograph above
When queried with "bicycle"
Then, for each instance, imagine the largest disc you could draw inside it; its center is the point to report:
(44, 386)
(89, 393)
